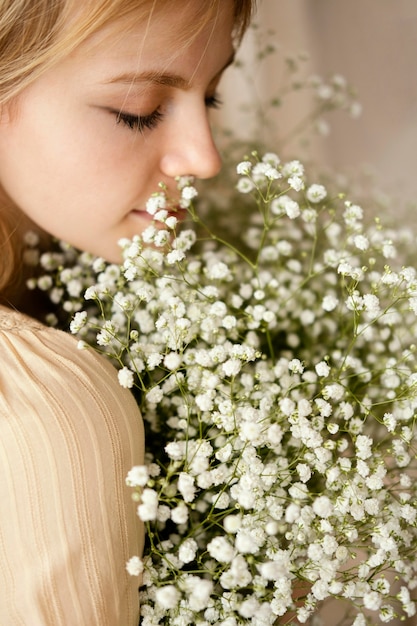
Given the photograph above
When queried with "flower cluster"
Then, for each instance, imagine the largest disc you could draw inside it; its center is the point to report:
(278, 383)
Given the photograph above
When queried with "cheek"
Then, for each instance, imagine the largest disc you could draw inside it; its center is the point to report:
(60, 169)
(42, 164)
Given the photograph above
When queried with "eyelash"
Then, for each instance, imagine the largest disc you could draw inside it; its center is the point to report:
(213, 102)
(140, 123)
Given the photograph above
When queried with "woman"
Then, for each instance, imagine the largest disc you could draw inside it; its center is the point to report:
(100, 101)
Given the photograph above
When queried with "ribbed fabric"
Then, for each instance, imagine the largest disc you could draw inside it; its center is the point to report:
(68, 436)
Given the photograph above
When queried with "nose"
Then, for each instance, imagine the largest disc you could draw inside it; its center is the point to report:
(191, 150)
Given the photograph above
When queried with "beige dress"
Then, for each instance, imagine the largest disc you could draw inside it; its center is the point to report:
(68, 436)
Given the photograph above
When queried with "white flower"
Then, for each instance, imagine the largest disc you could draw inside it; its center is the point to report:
(296, 183)
(147, 509)
(390, 422)
(161, 238)
(316, 193)
(278, 388)
(161, 215)
(298, 491)
(322, 369)
(78, 322)
(220, 549)
(232, 523)
(361, 242)
(155, 203)
(231, 367)
(155, 395)
(171, 222)
(245, 185)
(218, 271)
(138, 476)
(364, 446)
(388, 250)
(272, 158)
(322, 506)
(201, 590)
(371, 303)
(304, 472)
(372, 600)
(167, 596)
(175, 450)
(244, 168)
(148, 235)
(189, 192)
(186, 486)
(238, 575)
(172, 361)
(293, 168)
(126, 377)
(175, 256)
(221, 501)
(295, 366)
(334, 391)
(188, 550)
(134, 566)
(287, 406)
(329, 302)
(272, 173)
(285, 204)
(229, 322)
(179, 514)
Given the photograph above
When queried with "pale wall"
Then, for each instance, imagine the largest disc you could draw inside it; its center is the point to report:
(373, 43)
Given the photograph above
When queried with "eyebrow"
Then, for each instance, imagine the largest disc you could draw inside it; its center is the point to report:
(160, 78)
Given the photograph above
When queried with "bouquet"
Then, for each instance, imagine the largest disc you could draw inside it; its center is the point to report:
(276, 374)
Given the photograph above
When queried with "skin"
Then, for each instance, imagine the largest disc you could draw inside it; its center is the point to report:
(75, 158)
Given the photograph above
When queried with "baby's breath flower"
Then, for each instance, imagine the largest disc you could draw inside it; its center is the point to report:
(134, 566)
(138, 476)
(277, 382)
(126, 377)
(167, 596)
(221, 550)
(293, 168)
(156, 203)
(245, 185)
(322, 369)
(316, 193)
(188, 550)
(78, 322)
(244, 168)
(361, 242)
(189, 192)
(296, 183)
(286, 205)
(155, 395)
(147, 509)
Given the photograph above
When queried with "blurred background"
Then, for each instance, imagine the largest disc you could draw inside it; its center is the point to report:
(373, 45)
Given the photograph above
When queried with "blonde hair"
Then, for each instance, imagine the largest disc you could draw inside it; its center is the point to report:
(36, 34)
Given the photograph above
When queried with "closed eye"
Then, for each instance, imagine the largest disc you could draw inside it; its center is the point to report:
(213, 102)
(149, 122)
(139, 122)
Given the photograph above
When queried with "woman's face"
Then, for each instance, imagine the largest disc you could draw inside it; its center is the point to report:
(87, 143)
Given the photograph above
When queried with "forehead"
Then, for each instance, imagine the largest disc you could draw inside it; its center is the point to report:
(170, 21)
(183, 31)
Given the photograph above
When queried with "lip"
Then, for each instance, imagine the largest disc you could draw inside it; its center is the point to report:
(142, 213)
(178, 212)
